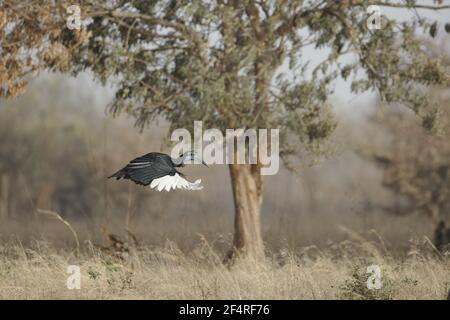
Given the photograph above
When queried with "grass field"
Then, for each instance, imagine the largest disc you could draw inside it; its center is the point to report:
(338, 272)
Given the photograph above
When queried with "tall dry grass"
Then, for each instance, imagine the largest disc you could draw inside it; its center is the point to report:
(165, 272)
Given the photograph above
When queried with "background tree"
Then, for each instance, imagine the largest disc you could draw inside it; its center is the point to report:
(221, 62)
(415, 162)
(415, 165)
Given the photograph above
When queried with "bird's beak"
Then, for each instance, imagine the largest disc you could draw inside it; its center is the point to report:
(204, 163)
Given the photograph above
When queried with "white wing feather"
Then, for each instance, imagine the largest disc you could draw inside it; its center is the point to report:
(175, 182)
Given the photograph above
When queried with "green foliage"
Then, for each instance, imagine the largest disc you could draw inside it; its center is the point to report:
(409, 281)
(115, 275)
(221, 61)
(356, 287)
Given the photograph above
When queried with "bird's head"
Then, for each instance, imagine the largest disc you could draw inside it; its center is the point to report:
(192, 157)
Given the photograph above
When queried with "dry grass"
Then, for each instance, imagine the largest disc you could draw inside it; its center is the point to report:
(168, 273)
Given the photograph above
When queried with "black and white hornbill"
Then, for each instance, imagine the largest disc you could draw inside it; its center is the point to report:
(159, 171)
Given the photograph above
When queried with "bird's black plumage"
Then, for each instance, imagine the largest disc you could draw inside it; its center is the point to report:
(143, 170)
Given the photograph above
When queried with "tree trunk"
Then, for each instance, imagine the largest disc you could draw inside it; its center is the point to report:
(4, 197)
(441, 239)
(247, 188)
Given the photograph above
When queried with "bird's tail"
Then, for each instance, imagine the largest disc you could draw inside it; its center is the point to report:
(118, 175)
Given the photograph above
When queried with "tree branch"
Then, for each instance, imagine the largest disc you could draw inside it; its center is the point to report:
(187, 32)
(252, 12)
(291, 23)
(406, 6)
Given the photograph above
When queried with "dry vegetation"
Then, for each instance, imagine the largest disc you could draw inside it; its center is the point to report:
(337, 272)
(58, 157)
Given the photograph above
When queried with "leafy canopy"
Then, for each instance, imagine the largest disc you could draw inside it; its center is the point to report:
(229, 63)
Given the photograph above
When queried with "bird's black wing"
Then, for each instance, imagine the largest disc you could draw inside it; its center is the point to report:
(145, 169)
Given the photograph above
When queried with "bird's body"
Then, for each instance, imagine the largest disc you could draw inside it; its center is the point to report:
(159, 171)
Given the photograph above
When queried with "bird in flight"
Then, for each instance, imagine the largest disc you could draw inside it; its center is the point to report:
(159, 171)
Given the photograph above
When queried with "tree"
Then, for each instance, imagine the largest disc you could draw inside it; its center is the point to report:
(221, 62)
(416, 166)
(415, 162)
